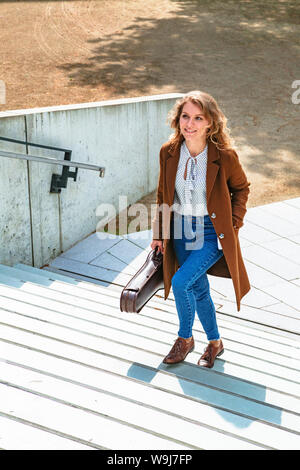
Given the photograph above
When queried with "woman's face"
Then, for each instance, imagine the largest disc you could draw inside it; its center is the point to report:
(193, 125)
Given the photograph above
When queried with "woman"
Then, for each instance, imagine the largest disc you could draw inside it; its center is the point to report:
(201, 202)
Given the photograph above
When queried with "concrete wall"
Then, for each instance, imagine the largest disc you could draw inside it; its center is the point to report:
(124, 136)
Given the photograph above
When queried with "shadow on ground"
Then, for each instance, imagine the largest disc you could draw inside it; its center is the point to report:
(231, 397)
(244, 53)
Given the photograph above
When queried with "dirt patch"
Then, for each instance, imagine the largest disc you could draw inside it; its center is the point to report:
(244, 53)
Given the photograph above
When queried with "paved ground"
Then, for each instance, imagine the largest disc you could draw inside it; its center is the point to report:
(77, 373)
(270, 242)
(245, 53)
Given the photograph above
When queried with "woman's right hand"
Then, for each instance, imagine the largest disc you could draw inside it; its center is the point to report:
(159, 244)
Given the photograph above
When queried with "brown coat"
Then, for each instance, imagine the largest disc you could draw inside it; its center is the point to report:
(227, 192)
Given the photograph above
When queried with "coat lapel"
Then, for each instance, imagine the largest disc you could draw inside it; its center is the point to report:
(172, 164)
(212, 168)
(171, 170)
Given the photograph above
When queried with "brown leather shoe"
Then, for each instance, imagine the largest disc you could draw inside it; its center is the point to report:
(210, 353)
(180, 350)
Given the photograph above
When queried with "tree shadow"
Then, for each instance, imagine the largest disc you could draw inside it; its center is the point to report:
(244, 53)
(37, 1)
(191, 41)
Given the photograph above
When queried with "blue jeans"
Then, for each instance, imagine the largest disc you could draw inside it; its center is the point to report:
(190, 283)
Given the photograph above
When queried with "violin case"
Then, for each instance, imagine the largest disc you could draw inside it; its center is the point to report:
(144, 284)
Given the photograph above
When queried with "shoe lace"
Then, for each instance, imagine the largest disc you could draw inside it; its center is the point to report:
(177, 345)
(208, 352)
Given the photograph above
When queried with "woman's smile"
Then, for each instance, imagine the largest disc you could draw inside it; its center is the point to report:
(193, 123)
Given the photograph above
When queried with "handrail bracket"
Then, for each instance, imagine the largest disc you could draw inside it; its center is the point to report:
(60, 181)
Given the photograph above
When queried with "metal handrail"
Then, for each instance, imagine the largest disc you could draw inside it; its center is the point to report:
(58, 181)
(31, 144)
(53, 161)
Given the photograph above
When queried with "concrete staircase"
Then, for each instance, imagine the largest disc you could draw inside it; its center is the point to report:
(77, 373)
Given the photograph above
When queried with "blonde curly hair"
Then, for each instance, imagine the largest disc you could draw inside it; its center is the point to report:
(218, 132)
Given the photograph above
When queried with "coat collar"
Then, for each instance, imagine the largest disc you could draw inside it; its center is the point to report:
(213, 157)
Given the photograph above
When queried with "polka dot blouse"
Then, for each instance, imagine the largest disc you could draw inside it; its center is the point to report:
(190, 184)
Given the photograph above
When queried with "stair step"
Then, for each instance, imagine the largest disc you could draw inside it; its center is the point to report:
(189, 432)
(65, 345)
(226, 311)
(85, 424)
(109, 306)
(130, 347)
(46, 273)
(155, 394)
(91, 271)
(21, 434)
